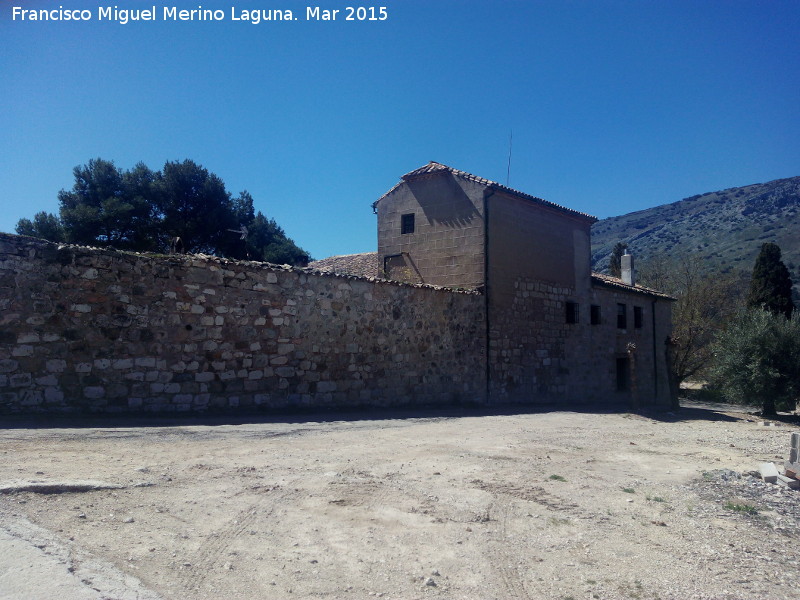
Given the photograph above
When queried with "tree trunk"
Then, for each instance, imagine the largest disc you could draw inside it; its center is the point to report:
(768, 407)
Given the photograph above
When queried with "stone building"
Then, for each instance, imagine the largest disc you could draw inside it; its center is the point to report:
(478, 294)
(555, 331)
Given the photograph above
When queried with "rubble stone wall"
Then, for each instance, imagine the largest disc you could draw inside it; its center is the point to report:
(536, 356)
(527, 347)
(85, 329)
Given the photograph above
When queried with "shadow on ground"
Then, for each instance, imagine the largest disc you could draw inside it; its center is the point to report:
(690, 410)
(693, 410)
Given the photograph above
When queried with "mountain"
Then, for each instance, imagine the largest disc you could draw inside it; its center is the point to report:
(723, 230)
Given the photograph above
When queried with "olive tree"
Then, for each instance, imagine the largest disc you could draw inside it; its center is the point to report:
(757, 360)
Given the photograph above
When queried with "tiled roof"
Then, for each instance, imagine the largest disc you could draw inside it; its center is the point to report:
(435, 167)
(607, 280)
(362, 265)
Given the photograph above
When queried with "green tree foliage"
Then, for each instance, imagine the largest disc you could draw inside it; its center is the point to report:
(615, 263)
(771, 285)
(44, 225)
(244, 207)
(138, 190)
(195, 206)
(144, 210)
(757, 360)
(100, 209)
(703, 306)
(265, 239)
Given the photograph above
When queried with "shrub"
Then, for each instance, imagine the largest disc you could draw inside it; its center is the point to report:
(757, 360)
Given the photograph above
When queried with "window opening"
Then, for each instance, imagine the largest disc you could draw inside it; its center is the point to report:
(407, 224)
(622, 316)
(594, 314)
(638, 317)
(573, 312)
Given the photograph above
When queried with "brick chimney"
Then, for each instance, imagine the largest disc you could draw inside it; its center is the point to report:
(628, 272)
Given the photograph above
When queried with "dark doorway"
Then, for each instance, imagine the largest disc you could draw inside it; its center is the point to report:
(623, 374)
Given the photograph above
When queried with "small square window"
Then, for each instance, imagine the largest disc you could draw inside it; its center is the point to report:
(595, 314)
(573, 312)
(407, 224)
(622, 316)
(638, 317)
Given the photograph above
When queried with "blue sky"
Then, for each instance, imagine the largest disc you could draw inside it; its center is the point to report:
(614, 106)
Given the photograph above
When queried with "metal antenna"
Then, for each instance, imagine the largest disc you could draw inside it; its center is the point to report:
(242, 231)
(508, 171)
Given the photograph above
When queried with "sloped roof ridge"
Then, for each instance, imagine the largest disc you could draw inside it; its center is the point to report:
(345, 255)
(361, 263)
(437, 167)
(609, 280)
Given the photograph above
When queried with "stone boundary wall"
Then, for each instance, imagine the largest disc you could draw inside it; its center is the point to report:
(527, 347)
(97, 330)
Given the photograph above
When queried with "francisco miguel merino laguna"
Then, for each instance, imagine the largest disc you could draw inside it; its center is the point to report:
(173, 13)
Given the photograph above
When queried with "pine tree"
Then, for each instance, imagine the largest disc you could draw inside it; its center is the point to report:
(615, 263)
(44, 225)
(771, 285)
(144, 210)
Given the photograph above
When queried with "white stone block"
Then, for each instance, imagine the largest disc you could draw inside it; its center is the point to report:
(768, 472)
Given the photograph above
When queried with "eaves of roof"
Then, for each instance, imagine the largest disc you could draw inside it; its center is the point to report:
(433, 168)
(614, 282)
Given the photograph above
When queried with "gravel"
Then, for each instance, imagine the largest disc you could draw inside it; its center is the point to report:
(449, 505)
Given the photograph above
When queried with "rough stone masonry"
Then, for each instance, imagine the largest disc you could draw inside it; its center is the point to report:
(86, 329)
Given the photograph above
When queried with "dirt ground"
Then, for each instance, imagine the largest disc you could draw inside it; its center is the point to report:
(444, 505)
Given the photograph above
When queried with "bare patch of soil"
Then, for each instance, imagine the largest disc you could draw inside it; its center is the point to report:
(553, 505)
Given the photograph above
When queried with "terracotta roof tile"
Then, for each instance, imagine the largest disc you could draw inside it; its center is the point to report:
(364, 264)
(435, 167)
(609, 281)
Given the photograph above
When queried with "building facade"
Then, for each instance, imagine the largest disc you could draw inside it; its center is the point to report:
(478, 294)
(555, 331)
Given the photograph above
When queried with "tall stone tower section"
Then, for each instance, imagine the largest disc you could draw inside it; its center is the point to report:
(431, 228)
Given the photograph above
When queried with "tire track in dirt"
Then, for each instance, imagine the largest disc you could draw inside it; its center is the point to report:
(500, 558)
(211, 553)
(528, 493)
(358, 488)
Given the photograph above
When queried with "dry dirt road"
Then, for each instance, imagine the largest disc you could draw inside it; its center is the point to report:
(553, 505)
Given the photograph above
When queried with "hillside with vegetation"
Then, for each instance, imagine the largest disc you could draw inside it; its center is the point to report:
(722, 232)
